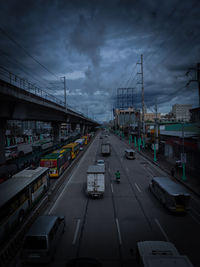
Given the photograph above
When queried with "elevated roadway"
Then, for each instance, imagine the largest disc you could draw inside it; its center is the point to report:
(26, 104)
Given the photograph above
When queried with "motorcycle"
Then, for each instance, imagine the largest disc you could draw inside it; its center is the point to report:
(117, 180)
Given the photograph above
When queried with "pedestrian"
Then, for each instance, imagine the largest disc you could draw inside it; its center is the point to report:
(172, 171)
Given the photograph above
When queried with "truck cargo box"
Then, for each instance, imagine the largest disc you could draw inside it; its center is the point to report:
(95, 181)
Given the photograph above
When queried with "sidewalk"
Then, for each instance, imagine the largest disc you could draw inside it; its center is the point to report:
(192, 183)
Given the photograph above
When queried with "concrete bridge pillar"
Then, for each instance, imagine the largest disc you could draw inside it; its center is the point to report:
(2, 140)
(82, 126)
(56, 127)
(86, 129)
(73, 126)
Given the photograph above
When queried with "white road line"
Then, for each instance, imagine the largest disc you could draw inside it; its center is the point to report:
(63, 190)
(162, 230)
(119, 233)
(196, 212)
(138, 188)
(150, 170)
(195, 219)
(76, 231)
(111, 185)
(147, 171)
(156, 168)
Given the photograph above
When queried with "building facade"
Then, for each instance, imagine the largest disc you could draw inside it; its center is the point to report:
(151, 116)
(181, 112)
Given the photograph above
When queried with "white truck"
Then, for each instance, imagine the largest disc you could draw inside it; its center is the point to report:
(95, 181)
(105, 149)
(160, 253)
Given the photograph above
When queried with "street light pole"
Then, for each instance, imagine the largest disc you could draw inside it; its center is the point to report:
(65, 92)
(183, 158)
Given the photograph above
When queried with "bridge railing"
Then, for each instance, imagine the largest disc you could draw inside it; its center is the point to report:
(23, 83)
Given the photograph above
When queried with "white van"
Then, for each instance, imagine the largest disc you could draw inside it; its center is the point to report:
(40, 242)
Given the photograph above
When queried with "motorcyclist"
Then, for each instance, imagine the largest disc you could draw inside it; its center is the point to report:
(117, 176)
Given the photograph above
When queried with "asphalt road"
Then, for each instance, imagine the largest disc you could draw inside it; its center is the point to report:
(109, 228)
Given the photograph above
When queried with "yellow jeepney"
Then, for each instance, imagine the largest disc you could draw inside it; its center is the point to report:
(85, 139)
(74, 148)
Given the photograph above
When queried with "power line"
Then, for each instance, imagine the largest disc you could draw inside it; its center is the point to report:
(27, 53)
(22, 67)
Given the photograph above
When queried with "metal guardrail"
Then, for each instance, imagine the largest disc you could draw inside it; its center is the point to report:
(23, 83)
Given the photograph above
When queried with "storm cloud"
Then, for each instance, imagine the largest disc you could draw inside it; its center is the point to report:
(97, 45)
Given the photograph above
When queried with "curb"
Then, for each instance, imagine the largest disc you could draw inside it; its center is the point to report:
(162, 168)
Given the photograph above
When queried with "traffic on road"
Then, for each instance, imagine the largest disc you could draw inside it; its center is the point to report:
(109, 230)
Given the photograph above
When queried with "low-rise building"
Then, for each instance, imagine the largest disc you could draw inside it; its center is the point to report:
(151, 116)
(181, 112)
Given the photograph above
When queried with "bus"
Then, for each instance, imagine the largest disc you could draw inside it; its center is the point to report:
(56, 161)
(171, 194)
(85, 138)
(18, 195)
(74, 148)
(42, 145)
(81, 142)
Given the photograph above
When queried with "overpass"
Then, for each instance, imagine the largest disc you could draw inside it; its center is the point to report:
(32, 103)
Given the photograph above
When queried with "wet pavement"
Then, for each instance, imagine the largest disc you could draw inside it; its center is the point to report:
(191, 182)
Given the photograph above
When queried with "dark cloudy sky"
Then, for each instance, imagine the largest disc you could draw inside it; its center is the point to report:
(96, 45)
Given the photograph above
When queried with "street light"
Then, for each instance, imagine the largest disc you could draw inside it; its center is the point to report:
(183, 155)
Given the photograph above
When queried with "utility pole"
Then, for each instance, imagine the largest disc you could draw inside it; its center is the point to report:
(142, 84)
(183, 156)
(65, 92)
(156, 131)
(197, 70)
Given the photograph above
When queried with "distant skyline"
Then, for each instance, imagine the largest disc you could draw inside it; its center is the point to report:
(97, 45)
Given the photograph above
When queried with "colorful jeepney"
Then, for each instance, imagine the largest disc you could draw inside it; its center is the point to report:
(85, 137)
(74, 148)
(57, 162)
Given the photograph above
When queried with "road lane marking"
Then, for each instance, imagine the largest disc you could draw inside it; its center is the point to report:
(119, 233)
(156, 168)
(76, 231)
(196, 212)
(69, 180)
(111, 185)
(147, 171)
(127, 169)
(162, 230)
(193, 217)
(138, 188)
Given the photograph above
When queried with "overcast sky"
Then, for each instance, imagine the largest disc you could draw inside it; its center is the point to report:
(96, 45)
